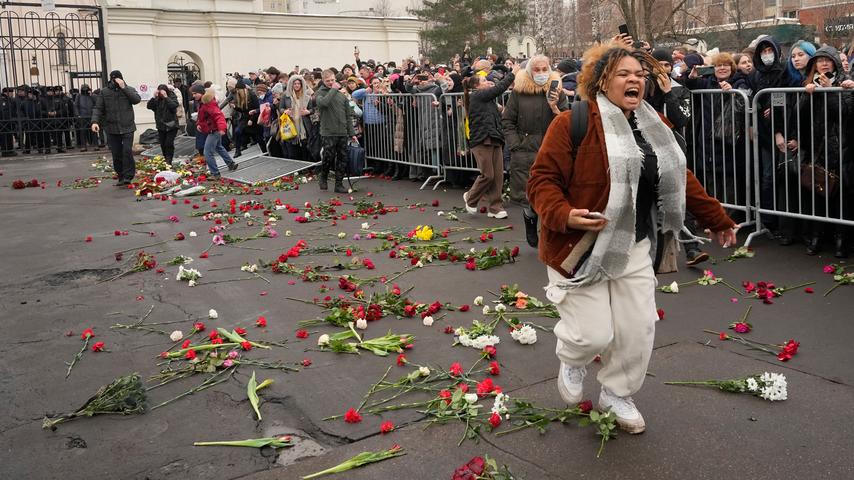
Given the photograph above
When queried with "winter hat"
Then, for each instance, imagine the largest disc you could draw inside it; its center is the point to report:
(693, 60)
(663, 54)
(567, 65)
(116, 74)
(198, 88)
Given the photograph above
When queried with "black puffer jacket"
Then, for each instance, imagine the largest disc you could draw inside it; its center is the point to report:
(768, 76)
(165, 111)
(484, 118)
(113, 110)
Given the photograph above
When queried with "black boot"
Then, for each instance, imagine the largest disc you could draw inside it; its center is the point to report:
(841, 251)
(323, 179)
(530, 218)
(339, 182)
(812, 245)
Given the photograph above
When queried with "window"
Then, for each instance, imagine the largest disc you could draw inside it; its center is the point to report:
(689, 4)
(770, 3)
(63, 48)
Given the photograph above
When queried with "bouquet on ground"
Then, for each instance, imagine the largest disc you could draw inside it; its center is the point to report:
(124, 396)
(784, 352)
(190, 275)
(769, 386)
(359, 460)
(482, 468)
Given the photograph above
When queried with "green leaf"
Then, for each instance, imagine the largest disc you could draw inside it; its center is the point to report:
(253, 395)
(275, 442)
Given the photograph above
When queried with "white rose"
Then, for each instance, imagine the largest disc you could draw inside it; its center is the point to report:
(478, 300)
(471, 398)
(366, 226)
(486, 309)
(193, 234)
(307, 214)
(361, 323)
(212, 314)
(427, 321)
(419, 264)
(176, 335)
(440, 213)
(247, 215)
(191, 283)
(323, 340)
(341, 234)
(674, 287)
(424, 371)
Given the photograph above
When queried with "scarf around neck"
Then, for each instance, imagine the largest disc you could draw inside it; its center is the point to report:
(610, 254)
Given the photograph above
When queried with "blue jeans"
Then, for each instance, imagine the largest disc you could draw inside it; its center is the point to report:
(213, 143)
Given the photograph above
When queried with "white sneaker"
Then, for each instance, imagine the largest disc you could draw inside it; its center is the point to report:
(471, 210)
(628, 416)
(570, 383)
(500, 214)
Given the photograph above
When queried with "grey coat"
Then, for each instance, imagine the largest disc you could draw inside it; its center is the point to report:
(113, 110)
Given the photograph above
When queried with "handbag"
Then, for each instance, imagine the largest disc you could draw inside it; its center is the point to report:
(818, 179)
(287, 129)
(355, 159)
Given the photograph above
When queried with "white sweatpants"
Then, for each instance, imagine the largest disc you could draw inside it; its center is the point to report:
(615, 318)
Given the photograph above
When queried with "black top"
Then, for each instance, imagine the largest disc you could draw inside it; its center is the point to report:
(647, 186)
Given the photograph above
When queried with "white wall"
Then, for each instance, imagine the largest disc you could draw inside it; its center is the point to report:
(140, 42)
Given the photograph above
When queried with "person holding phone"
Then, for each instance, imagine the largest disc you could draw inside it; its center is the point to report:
(630, 168)
(114, 109)
(164, 104)
(537, 98)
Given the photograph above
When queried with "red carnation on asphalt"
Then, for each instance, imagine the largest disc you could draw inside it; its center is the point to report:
(723, 336)
(261, 322)
(352, 416)
(204, 255)
(585, 406)
(401, 360)
(88, 238)
(464, 308)
(446, 395)
(240, 331)
(217, 341)
(456, 369)
(302, 333)
(87, 334)
(494, 369)
(306, 362)
(485, 387)
(515, 252)
(186, 343)
(809, 290)
(660, 313)
(199, 327)
(179, 236)
(117, 233)
(246, 345)
(490, 351)
(741, 327)
(98, 347)
(190, 355)
(495, 420)
(386, 427)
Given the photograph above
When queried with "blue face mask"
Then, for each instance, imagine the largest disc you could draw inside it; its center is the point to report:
(541, 78)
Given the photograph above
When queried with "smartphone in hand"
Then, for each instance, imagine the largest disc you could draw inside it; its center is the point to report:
(553, 86)
(595, 216)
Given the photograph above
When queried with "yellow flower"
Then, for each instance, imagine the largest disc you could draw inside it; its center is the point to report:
(424, 233)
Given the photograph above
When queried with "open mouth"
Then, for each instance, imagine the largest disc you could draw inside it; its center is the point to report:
(633, 92)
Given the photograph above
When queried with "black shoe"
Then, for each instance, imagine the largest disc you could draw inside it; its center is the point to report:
(237, 154)
(121, 183)
(59, 150)
(232, 167)
(531, 235)
(841, 251)
(812, 246)
(694, 257)
(339, 188)
(323, 180)
(26, 152)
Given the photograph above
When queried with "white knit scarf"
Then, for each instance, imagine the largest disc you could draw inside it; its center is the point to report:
(610, 254)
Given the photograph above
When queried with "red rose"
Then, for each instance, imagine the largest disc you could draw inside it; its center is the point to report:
(19, 185)
(464, 308)
(490, 351)
(585, 406)
(485, 387)
(306, 362)
(246, 346)
(494, 369)
(446, 395)
(261, 322)
(449, 329)
(190, 355)
(386, 427)
(809, 290)
(515, 252)
(435, 203)
(302, 333)
(791, 347)
(240, 331)
(464, 387)
(186, 344)
(784, 356)
(117, 233)
(217, 341)
(456, 369)
(470, 266)
(660, 313)
(723, 336)
(179, 236)
(88, 238)
(199, 327)
(87, 334)
(401, 360)
(98, 347)
(204, 255)
(741, 327)
(495, 420)
(352, 416)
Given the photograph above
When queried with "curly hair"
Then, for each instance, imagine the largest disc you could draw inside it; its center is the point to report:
(600, 63)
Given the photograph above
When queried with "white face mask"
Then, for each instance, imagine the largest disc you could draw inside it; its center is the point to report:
(541, 78)
(767, 58)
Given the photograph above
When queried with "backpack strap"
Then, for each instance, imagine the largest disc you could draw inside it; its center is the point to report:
(578, 124)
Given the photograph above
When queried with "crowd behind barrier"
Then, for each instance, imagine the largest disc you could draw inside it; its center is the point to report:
(778, 158)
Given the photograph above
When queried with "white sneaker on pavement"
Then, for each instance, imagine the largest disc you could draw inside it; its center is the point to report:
(500, 214)
(628, 416)
(471, 210)
(570, 383)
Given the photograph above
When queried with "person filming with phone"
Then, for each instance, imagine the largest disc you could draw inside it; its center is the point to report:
(602, 202)
(537, 98)
(114, 109)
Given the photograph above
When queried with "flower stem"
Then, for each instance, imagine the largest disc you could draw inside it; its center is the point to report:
(78, 356)
(737, 292)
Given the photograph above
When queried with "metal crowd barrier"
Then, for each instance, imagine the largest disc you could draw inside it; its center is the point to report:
(717, 138)
(807, 179)
(403, 128)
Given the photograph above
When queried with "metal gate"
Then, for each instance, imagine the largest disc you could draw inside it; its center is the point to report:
(64, 47)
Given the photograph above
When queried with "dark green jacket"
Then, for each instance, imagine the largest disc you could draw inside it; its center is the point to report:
(335, 113)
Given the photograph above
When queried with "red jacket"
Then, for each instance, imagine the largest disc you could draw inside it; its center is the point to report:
(558, 185)
(210, 118)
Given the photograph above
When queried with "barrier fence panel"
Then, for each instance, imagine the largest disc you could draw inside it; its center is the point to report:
(803, 167)
(718, 145)
(405, 129)
(455, 152)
